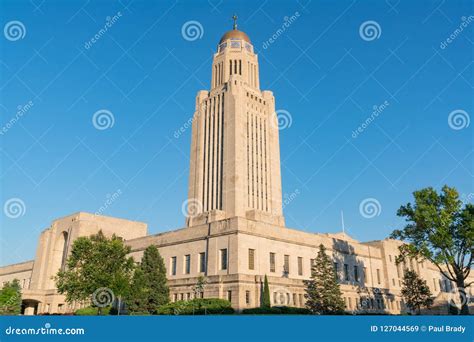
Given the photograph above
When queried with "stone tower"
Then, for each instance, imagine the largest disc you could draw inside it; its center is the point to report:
(235, 154)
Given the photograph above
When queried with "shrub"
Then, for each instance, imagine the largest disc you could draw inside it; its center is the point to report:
(197, 306)
(91, 311)
(276, 310)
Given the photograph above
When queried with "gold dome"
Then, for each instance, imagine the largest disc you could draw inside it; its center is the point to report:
(234, 34)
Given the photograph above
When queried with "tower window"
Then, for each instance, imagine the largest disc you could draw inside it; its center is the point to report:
(173, 265)
(223, 253)
(286, 265)
(251, 259)
(202, 262)
(187, 264)
(356, 273)
(272, 262)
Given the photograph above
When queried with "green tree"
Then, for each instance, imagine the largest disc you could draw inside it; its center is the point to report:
(322, 290)
(198, 289)
(440, 230)
(149, 287)
(415, 292)
(10, 298)
(266, 294)
(98, 269)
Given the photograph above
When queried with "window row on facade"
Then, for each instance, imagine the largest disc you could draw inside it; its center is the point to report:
(202, 264)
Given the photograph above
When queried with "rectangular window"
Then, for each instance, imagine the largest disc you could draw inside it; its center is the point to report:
(356, 273)
(300, 266)
(393, 281)
(173, 265)
(202, 262)
(286, 265)
(365, 275)
(390, 257)
(378, 276)
(336, 270)
(346, 272)
(187, 264)
(272, 262)
(251, 259)
(223, 253)
(434, 283)
(247, 297)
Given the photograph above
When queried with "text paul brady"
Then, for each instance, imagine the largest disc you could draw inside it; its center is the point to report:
(446, 328)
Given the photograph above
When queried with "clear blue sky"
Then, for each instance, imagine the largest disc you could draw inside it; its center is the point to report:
(147, 75)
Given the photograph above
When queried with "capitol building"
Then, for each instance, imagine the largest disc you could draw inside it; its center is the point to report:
(235, 230)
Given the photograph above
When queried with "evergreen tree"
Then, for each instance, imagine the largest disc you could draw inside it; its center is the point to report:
(415, 292)
(322, 290)
(10, 298)
(149, 287)
(266, 294)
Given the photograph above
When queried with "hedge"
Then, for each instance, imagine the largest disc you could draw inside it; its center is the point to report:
(91, 311)
(197, 306)
(276, 310)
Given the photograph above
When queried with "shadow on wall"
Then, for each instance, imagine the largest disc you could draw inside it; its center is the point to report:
(352, 271)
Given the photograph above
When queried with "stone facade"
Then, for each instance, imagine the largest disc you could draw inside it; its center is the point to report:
(235, 232)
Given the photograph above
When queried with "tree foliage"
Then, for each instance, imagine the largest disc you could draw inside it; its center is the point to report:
(198, 289)
(323, 293)
(98, 270)
(416, 292)
(440, 229)
(10, 298)
(149, 286)
(265, 303)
